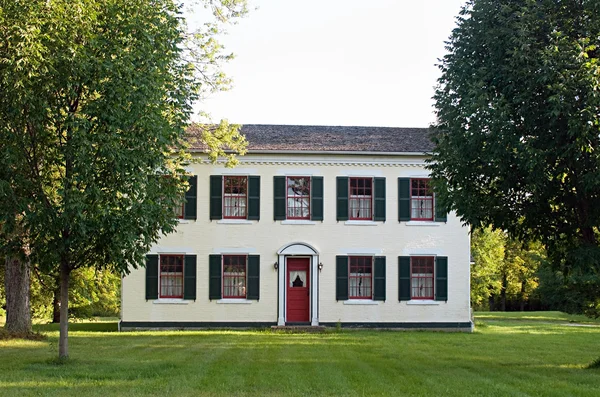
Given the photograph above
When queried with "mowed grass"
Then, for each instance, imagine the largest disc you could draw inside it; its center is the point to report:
(530, 354)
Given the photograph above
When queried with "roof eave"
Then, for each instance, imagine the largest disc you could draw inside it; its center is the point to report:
(333, 152)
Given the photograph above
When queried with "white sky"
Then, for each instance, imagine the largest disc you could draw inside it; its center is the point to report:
(335, 62)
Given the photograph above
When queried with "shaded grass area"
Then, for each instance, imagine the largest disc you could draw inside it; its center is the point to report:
(504, 357)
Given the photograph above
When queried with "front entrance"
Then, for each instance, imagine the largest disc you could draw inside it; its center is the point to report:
(298, 290)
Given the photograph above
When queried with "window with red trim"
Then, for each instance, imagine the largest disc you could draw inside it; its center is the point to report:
(179, 210)
(235, 197)
(361, 199)
(171, 276)
(360, 279)
(421, 277)
(421, 200)
(234, 276)
(298, 197)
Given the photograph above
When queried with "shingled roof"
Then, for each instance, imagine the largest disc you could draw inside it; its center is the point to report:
(263, 137)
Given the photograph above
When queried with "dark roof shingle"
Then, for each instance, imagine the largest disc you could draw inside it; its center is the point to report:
(263, 137)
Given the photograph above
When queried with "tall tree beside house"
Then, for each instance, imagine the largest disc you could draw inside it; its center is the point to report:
(518, 127)
(487, 248)
(96, 96)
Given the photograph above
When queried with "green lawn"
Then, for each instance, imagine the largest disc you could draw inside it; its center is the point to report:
(512, 354)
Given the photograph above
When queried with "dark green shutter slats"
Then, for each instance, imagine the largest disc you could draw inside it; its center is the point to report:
(189, 278)
(214, 275)
(341, 282)
(440, 212)
(379, 213)
(403, 199)
(254, 198)
(441, 278)
(279, 198)
(316, 198)
(216, 197)
(404, 278)
(379, 274)
(151, 276)
(342, 198)
(189, 209)
(253, 276)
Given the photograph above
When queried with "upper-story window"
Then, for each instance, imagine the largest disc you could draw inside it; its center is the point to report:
(361, 198)
(298, 197)
(421, 200)
(235, 197)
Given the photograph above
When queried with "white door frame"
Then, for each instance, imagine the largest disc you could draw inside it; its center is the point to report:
(298, 250)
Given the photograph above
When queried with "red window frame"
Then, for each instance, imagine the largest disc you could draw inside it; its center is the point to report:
(234, 283)
(360, 277)
(180, 211)
(171, 276)
(358, 194)
(422, 277)
(235, 188)
(302, 199)
(421, 194)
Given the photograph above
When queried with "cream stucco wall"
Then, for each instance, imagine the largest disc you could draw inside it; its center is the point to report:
(330, 238)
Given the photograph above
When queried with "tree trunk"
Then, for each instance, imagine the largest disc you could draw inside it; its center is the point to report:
(522, 295)
(18, 310)
(503, 293)
(56, 303)
(491, 302)
(63, 341)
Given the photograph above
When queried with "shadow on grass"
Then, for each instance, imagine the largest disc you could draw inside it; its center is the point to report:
(84, 326)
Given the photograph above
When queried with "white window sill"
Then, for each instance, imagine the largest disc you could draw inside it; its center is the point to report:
(184, 221)
(422, 223)
(298, 222)
(234, 222)
(170, 301)
(422, 302)
(234, 301)
(363, 302)
(362, 223)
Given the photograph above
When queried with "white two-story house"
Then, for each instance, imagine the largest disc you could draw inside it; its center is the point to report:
(316, 225)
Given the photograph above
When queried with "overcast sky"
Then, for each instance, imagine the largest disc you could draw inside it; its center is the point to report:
(335, 62)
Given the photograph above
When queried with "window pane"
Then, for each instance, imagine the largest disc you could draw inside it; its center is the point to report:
(171, 276)
(422, 277)
(235, 197)
(360, 278)
(234, 276)
(298, 197)
(360, 202)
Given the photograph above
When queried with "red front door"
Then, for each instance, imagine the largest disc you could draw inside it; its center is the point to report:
(298, 289)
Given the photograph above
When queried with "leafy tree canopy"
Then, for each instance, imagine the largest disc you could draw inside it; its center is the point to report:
(96, 97)
(518, 124)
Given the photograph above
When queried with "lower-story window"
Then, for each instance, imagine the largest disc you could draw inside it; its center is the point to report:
(234, 276)
(171, 276)
(421, 277)
(360, 278)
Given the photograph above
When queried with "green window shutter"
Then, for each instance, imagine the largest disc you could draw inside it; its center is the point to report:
(279, 198)
(216, 197)
(189, 210)
(341, 282)
(379, 213)
(253, 277)
(404, 278)
(342, 198)
(151, 276)
(379, 290)
(214, 275)
(189, 277)
(441, 278)
(254, 198)
(403, 199)
(316, 198)
(440, 212)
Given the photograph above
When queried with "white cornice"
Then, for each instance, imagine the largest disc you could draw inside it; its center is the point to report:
(379, 164)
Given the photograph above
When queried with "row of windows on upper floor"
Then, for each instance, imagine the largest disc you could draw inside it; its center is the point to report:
(301, 198)
(238, 277)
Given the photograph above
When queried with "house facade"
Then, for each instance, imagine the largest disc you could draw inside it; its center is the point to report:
(317, 226)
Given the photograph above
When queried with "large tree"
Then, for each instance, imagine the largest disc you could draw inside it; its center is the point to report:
(96, 96)
(518, 125)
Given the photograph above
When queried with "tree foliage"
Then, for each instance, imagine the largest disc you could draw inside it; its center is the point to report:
(96, 97)
(518, 126)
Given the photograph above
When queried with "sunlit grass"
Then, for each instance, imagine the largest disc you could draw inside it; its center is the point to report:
(509, 354)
